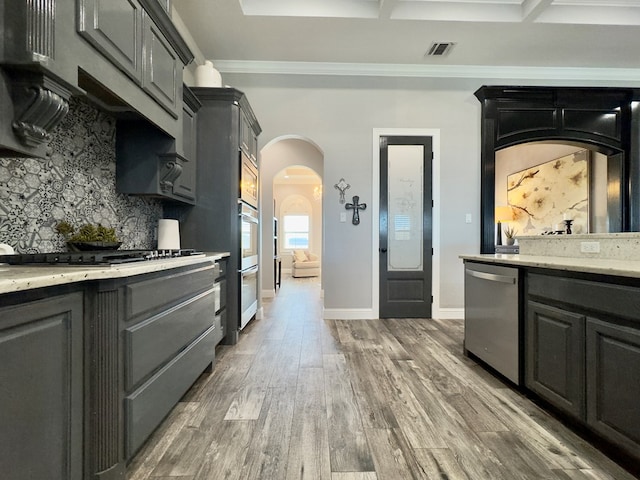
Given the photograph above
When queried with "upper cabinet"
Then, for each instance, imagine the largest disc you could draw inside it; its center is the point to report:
(127, 56)
(115, 30)
(150, 163)
(138, 41)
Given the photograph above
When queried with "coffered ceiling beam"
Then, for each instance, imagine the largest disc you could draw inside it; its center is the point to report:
(531, 9)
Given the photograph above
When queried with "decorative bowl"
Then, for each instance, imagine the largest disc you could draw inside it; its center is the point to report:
(89, 246)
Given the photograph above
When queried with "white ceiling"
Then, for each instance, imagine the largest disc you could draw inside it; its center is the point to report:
(392, 36)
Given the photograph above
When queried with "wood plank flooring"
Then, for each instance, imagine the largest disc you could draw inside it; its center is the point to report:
(302, 398)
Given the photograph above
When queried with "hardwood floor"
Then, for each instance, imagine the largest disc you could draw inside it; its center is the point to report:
(304, 398)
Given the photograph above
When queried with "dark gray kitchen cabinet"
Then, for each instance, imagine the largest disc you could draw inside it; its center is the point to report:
(162, 72)
(168, 341)
(582, 344)
(613, 382)
(114, 28)
(185, 184)
(220, 289)
(138, 44)
(555, 356)
(41, 389)
(213, 223)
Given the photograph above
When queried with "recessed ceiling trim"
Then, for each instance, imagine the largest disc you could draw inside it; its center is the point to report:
(630, 76)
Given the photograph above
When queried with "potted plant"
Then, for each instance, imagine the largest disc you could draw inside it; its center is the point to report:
(510, 234)
(88, 237)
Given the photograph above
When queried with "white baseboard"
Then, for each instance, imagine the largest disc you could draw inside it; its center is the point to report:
(449, 313)
(268, 293)
(348, 314)
(259, 314)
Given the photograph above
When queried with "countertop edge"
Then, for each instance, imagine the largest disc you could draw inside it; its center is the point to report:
(21, 278)
(621, 268)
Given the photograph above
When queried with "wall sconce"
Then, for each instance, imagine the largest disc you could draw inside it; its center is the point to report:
(502, 214)
(317, 192)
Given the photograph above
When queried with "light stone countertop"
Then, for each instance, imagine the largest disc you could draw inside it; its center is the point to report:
(605, 266)
(16, 278)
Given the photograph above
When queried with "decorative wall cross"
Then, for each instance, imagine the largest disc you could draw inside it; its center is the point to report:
(356, 207)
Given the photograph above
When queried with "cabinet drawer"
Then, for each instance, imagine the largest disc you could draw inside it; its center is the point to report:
(148, 405)
(619, 300)
(218, 333)
(149, 295)
(150, 343)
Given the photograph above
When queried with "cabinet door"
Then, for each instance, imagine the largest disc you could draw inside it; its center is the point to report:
(41, 389)
(185, 185)
(162, 68)
(114, 28)
(554, 356)
(613, 383)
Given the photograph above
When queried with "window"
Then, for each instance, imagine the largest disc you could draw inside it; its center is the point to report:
(296, 231)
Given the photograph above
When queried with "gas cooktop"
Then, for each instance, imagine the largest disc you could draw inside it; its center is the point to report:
(98, 257)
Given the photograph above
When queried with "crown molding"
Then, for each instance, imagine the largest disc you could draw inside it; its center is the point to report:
(627, 75)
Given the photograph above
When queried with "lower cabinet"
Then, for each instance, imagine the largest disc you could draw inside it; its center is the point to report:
(555, 356)
(613, 383)
(582, 353)
(169, 339)
(41, 389)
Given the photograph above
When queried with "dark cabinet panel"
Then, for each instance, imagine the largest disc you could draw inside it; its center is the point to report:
(212, 224)
(152, 342)
(162, 73)
(41, 389)
(148, 405)
(554, 350)
(114, 28)
(613, 383)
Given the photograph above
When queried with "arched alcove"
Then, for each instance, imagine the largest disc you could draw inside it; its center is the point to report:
(605, 120)
(283, 152)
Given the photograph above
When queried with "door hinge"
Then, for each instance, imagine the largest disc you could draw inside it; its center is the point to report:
(431, 298)
(432, 251)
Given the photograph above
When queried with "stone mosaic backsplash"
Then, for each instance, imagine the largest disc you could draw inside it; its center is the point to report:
(75, 182)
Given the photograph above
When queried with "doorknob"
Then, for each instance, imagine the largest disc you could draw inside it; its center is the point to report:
(382, 250)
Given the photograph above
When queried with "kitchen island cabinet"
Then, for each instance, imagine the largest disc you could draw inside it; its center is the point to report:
(41, 387)
(582, 341)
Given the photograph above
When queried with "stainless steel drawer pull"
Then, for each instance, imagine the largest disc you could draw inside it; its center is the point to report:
(492, 277)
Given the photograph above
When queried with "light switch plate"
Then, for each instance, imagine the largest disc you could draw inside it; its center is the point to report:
(343, 216)
(467, 218)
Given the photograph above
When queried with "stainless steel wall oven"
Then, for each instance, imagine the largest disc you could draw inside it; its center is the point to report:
(249, 226)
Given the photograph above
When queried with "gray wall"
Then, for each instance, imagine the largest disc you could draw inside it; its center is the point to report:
(338, 114)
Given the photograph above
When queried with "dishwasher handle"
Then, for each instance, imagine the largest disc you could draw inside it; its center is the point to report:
(492, 277)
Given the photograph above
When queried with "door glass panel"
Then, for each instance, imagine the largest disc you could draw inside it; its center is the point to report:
(405, 207)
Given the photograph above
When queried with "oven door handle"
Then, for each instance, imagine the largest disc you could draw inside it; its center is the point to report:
(250, 271)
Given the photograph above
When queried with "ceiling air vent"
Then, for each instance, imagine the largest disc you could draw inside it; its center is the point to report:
(439, 49)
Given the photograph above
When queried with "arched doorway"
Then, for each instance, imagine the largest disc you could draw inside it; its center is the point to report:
(301, 157)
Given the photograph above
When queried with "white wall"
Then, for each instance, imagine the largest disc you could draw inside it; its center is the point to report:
(339, 115)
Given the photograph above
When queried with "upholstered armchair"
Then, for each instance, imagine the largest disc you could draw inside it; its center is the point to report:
(304, 264)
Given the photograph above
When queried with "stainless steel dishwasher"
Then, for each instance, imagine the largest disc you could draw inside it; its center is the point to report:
(491, 317)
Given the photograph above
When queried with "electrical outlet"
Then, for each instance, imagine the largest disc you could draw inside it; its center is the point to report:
(590, 247)
(343, 217)
(467, 218)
